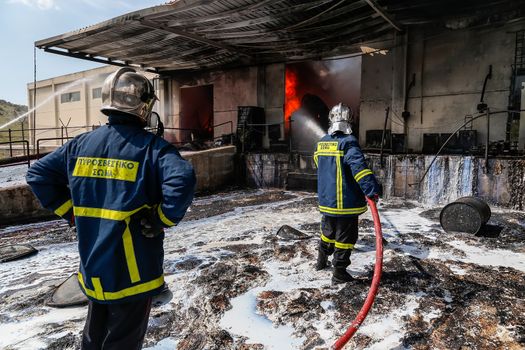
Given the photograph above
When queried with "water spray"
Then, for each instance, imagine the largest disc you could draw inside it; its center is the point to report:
(49, 98)
(311, 124)
(356, 323)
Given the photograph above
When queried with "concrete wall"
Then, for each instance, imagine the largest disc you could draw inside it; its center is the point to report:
(450, 69)
(261, 86)
(18, 204)
(449, 178)
(231, 88)
(271, 95)
(214, 168)
(452, 177)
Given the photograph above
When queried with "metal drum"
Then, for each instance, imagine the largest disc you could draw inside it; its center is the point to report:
(466, 214)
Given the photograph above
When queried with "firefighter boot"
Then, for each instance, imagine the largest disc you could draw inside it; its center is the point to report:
(341, 276)
(322, 260)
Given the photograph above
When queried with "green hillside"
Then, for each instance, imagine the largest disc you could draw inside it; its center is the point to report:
(8, 111)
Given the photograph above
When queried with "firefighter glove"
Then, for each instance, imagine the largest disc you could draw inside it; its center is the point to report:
(149, 226)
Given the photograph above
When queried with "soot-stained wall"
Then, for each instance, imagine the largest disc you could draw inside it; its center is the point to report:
(449, 69)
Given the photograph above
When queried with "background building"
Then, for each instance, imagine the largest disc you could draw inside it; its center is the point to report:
(68, 105)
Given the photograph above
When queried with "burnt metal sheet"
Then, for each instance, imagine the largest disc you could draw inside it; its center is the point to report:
(16, 251)
(205, 34)
(289, 233)
(68, 293)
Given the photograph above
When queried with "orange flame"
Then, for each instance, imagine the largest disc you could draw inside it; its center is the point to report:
(291, 100)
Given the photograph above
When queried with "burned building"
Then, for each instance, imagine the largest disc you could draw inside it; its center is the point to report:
(416, 75)
(422, 77)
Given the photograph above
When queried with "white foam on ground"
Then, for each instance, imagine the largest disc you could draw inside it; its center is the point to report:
(13, 176)
(164, 344)
(51, 262)
(385, 329)
(205, 240)
(22, 334)
(482, 256)
(242, 320)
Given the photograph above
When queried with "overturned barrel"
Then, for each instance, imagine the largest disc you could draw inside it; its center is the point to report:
(466, 214)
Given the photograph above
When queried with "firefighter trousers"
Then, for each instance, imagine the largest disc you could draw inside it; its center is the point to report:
(338, 237)
(116, 326)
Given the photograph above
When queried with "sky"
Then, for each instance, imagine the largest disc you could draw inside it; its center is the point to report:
(22, 22)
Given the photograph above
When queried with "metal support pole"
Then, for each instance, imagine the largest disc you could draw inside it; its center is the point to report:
(62, 135)
(290, 134)
(487, 141)
(22, 128)
(26, 144)
(387, 110)
(34, 99)
(10, 144)
(243, 138)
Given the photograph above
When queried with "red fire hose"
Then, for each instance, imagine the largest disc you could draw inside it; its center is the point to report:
(356, 323)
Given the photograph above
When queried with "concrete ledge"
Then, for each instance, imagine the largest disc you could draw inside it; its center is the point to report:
(449, 178)
(18, 204)
(214, 168)
(452, 177)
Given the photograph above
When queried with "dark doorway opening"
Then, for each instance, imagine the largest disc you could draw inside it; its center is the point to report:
(196, 113)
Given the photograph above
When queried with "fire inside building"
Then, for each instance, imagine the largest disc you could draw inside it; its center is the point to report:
(245, 87)
(420, 78)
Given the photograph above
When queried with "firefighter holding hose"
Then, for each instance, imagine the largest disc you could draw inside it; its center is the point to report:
(120, 185)
(344, 180)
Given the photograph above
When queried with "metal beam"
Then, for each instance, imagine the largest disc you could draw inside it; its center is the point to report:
(381, 12)
(194, 37)
(94, 59)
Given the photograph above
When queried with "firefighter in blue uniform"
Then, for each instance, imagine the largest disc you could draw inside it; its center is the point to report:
(120, 185)
(344, 180)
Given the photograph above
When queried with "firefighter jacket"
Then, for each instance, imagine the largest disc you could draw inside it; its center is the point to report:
(343, 178)
(102, 180)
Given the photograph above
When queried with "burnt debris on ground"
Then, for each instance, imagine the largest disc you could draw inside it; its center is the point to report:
(236, 284)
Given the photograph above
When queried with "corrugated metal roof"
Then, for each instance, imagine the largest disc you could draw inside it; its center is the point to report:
(203, 34)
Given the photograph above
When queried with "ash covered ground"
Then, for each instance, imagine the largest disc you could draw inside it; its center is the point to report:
(237, 285)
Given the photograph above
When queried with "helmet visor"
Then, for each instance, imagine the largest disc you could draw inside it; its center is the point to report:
(130, 92)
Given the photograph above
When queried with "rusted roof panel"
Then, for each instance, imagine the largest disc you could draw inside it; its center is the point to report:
(204, 34)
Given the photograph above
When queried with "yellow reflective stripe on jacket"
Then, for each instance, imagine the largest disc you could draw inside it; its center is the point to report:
(344, 245)
(329, 153)
(339, 183)
(326, 239)
(99, 292)
(64, 208)
(129, 251)
(362, 174)
(163, 217)
(89, 292)
(336, 211)
(127, 292)
(330, 149)
(108, 214)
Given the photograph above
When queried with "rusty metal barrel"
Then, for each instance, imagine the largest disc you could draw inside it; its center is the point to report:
(466, 214)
